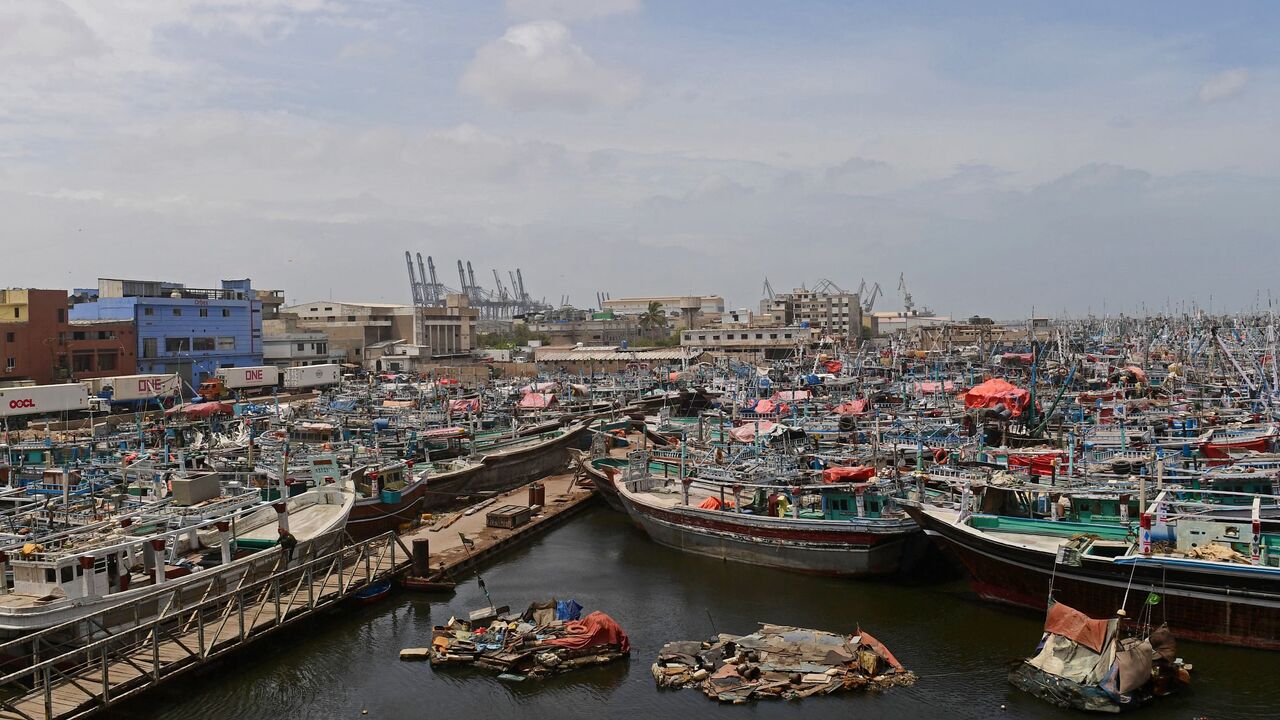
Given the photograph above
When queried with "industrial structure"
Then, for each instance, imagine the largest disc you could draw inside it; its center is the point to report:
(504, 302)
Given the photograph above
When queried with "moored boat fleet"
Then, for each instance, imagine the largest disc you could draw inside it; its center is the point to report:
(1125, 471)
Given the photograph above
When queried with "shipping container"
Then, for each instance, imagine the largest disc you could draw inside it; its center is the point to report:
(312, 376)
(136, 387)
(241, 378)
(41, 399)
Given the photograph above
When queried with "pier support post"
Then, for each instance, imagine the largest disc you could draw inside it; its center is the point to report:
(684, 489)
(224, 540)
(282, 515)
(421, 557)
(157, 559)
(86, 575)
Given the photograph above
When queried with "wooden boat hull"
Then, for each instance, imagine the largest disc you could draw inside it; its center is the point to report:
(1234, 606)
(807, 547)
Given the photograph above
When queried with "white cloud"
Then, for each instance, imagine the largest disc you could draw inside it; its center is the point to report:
(570, 10)
(44, 32)
(537, 66)
(1224, 85)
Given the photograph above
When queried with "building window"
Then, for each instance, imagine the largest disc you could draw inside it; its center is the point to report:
(773, 336)
(148, 311)
(787, 336)
(177, 311)
(82, 362)
(302, 346)
(328, 309)
(226, 312)
(322, 348)
(178, 344)
(62, 338)
(8, 337)
(226, 343)
(204, 312)
(77, 335)
(62, 315)
(106, 361)
(149, 347)
(10, 364)
(351, 318)
(17, 312)
(202, 344)
(106, 335)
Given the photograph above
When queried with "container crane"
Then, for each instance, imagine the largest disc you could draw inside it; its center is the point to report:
(907, 303)
(415, 286)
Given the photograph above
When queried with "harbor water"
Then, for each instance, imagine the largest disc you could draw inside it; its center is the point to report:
(345, 663)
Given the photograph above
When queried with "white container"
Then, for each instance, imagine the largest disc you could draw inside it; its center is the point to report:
(137, 387)
(312, 376)
(239, 378)
(41, 399)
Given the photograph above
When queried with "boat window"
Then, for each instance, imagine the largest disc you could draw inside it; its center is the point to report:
(50, 575)
(67, 574)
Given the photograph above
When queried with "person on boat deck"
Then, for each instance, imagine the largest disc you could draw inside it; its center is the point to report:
(784, 505)
(287, 543)
(1064, 507)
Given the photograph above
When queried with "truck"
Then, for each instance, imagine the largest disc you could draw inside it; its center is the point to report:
(136, 392)
(42, 399)
(239, 379)
(313, 376)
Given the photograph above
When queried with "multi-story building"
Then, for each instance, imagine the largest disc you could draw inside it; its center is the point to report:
(568, 326)
(188, 331)
(709, 305)
(40, 343)
(749, 343)
(830, 313)
(352, 327)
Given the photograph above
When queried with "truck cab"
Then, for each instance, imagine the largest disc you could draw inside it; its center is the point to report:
(213, 389)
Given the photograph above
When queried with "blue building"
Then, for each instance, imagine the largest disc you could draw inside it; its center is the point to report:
(189, 331)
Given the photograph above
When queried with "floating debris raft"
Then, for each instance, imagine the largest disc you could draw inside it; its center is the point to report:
(1085, 663)
(779, 661)
(547, 639)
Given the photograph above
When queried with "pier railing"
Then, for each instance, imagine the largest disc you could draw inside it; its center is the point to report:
(77, 668)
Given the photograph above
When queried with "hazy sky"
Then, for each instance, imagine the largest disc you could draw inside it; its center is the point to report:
(1003, 155)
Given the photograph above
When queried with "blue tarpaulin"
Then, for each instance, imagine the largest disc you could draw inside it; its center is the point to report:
(568, 610)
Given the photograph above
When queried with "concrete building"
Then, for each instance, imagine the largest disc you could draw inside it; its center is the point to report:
(286, 345)
(569, 326)
(352, 327)
(829, 313)
(748, 343)
(590, 360)
(685, 311)
(188, 331)
(40, 343)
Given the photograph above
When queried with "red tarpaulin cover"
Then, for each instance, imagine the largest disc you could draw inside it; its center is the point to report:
(713, 503)
(747, 433)
(201, 410)
(1222, 451)
(1016, 357)
(857, 473)
(765, 407)
(594, 630)
(833, 366)
(1075, 625)
(792, 395)
(1039, 463)
(853, 407)
(996, 391)
(467, 405)
(931, 387)
(1139, 375)
(537, 400)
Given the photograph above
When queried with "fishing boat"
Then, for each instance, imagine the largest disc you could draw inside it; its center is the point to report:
(840, 529)
(373, 593)
(1218, 577)
(107, 565)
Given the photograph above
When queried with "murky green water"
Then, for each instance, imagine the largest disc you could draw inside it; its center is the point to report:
(346, 662)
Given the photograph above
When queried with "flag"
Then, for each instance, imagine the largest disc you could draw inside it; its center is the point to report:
(1153, 599)
(467, 542)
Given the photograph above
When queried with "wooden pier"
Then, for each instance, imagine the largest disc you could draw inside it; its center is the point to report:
(111, 664)
(564, 495)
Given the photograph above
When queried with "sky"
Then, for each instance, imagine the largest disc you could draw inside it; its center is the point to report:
(1003, 157)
